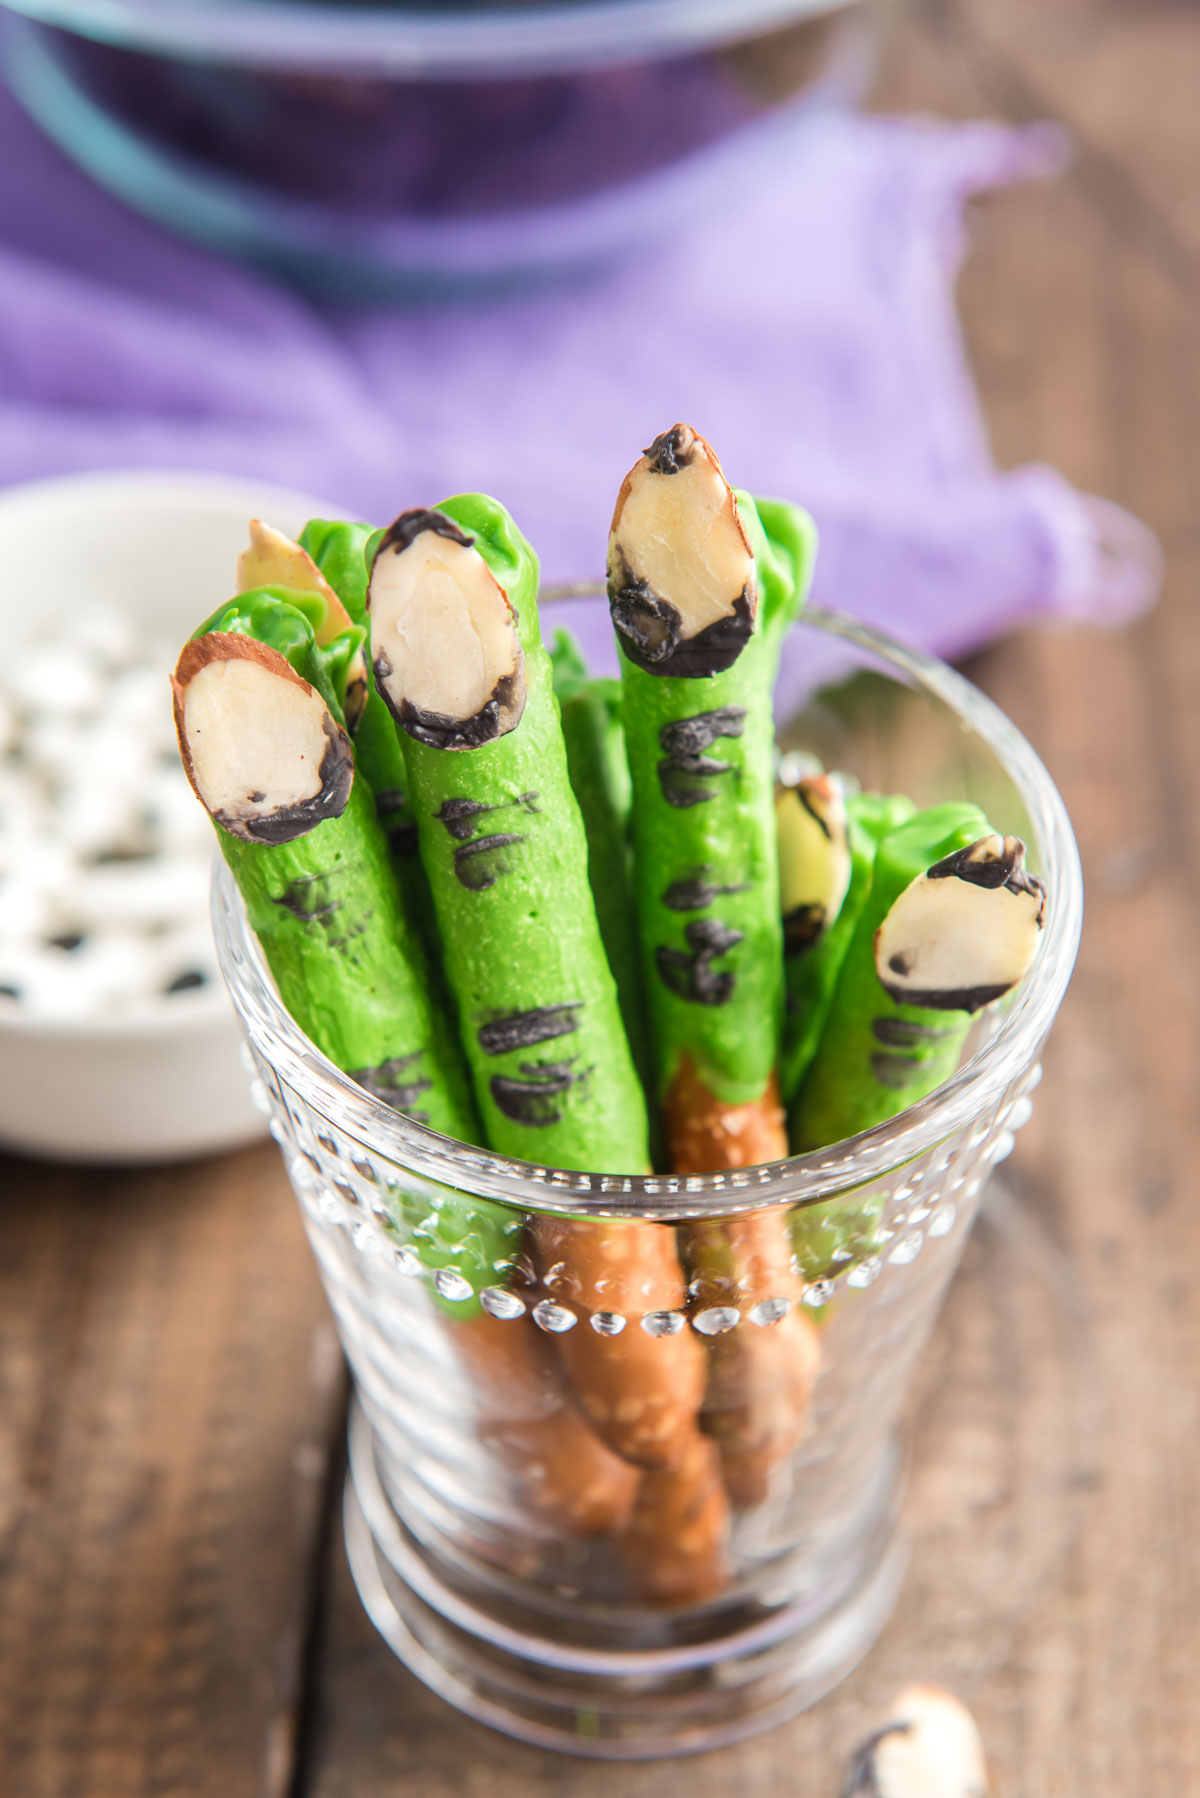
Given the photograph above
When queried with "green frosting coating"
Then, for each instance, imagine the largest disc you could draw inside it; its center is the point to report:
(347, 965)
(287, 621)
(831, 1238)
(706, 877)
(879, 814)
(596, 762)
(812, 975)
(338, 547)
(325, 909)
(474, 1238)
(505, 852)
(875, 1057)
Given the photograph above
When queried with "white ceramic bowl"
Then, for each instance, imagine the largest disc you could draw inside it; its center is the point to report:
(159, 547)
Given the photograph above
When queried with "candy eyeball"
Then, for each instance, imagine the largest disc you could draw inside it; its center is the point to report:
(104, 855)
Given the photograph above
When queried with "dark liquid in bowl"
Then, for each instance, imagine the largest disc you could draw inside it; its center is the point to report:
(444, 148)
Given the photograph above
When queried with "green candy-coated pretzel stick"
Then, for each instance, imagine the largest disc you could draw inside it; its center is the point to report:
(315, 878)
(703, 584)
(453, 598)
(701, 752)
(830, 1238)
(594, 736)
(323, 903)
(880, 1053)
(811, 958)
(459, 658)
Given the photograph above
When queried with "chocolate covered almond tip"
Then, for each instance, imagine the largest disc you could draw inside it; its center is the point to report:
(814, 859)
(447, 657)
(263, 752)
(272, 559)
(928, 1746)
(681, 576)
(963, 934)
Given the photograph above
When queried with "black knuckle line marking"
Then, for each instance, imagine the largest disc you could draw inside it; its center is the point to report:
(689, 974)
(403, 841)
(690, 736)
(460, 816)
(402, 838)
(532, 1100)
(693, 891)
(397, 1082)
(476, 874)
(684, 762)
(522, 1029)
(309, 899)
(900, 1033)
(896, 1071)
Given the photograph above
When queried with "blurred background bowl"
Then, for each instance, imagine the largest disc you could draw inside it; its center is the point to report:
(413, 152)
(168, 1081)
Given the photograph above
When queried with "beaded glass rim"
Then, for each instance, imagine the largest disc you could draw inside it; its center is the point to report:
(425, 44)
(800, 1179)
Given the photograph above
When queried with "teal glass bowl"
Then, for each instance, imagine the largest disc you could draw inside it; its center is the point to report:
(415, 152)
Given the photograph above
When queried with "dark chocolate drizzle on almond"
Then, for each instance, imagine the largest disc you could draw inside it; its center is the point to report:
(671, 451)
(336, 777)
(354, 700)
(862, 1775)
(441, 731)
(650, 628)
(533, 1100)
(404, 531)
(967, 998)
(523, 1029)
(991, 872)
(690, 974)
(802, 928)
(813, 811)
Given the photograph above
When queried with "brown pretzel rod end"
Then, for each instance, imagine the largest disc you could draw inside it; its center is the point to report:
(639, 1391)
(566, 1473)
(676, 1548)
(706, 1136)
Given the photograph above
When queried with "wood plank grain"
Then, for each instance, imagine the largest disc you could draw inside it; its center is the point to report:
(1123, 75)
(172, 1388)
(1057, 1472)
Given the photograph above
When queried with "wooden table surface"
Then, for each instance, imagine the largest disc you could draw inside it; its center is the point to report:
(175, 1612)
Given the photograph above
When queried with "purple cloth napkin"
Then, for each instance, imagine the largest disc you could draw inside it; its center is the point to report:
(814, 340)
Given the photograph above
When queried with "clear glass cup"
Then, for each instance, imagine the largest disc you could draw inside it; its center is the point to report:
(478, 1496)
